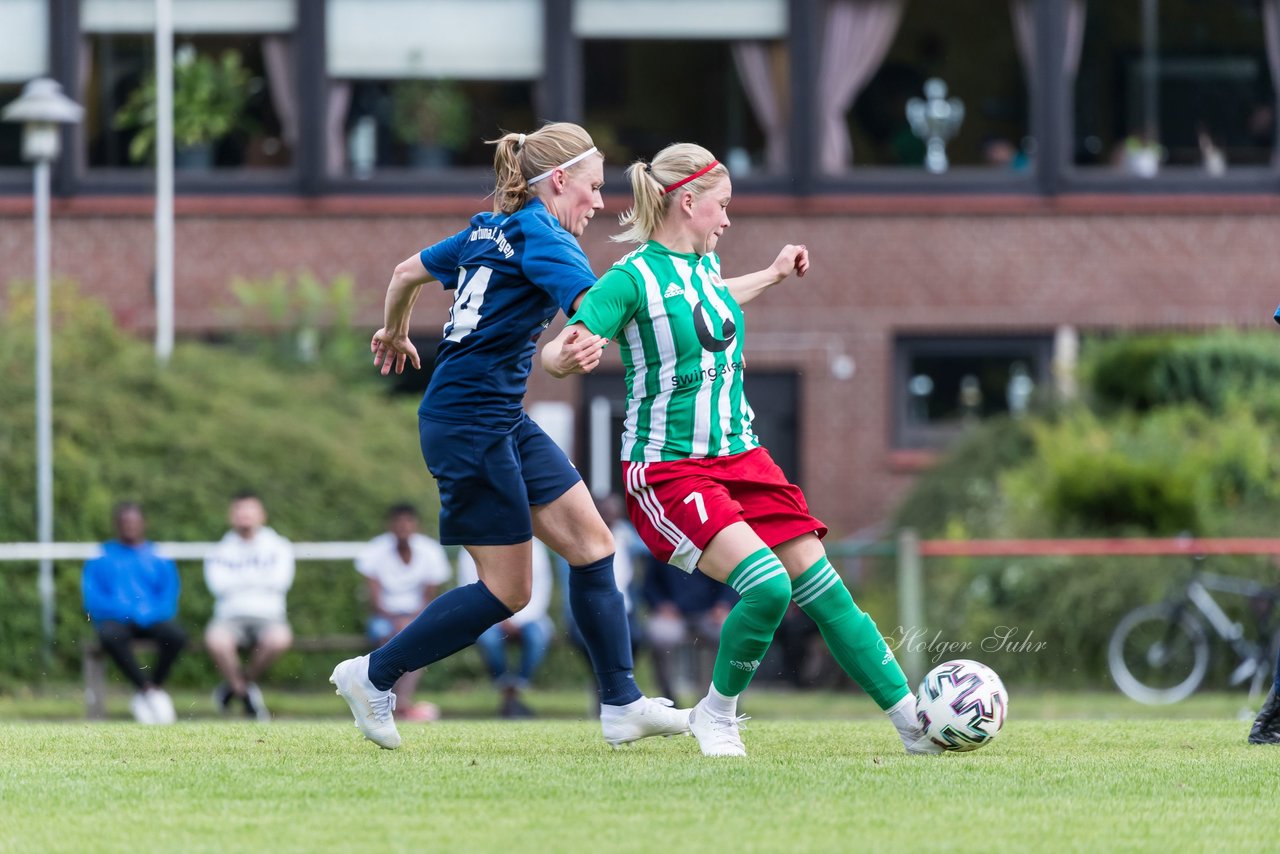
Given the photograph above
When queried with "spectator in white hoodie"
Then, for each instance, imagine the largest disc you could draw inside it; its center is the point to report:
(248, 572)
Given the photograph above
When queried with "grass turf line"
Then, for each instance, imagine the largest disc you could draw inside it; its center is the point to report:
(554, 786)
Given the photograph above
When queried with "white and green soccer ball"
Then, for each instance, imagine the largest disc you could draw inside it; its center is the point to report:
(962, 704)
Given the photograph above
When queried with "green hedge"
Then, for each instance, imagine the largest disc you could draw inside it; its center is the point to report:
(327, 458)
(1147, 371)
(1182, 436)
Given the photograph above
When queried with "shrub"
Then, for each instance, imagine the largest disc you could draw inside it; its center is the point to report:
(326, 457)
(1147, 371)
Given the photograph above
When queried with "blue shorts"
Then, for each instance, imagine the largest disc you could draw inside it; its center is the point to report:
(488, 479)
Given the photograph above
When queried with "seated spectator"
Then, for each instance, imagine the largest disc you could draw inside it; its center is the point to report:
(131, 592)
(405, 570)
(248, 572)
(529, 627)
(685, 609)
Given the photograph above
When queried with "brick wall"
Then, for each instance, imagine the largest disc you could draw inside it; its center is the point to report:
(881, 266)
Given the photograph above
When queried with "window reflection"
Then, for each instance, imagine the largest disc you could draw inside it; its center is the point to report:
(1176, 84)
(24, 41)
(948, 383)
(728, 96)
(878, 55)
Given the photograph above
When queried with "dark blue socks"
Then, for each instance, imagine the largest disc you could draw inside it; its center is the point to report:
(451, 622)
(601, 615)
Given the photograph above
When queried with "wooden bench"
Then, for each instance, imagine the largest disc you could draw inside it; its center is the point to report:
(94, 663)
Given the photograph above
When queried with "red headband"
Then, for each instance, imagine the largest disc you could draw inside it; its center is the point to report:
(695, 176)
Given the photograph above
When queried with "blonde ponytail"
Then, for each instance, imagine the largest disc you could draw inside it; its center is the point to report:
(673, 166)
(519, 158)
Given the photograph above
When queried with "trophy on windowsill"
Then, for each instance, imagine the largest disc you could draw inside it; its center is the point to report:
(935, 119)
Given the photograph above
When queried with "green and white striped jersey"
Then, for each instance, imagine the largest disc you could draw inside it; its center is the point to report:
(680, 333)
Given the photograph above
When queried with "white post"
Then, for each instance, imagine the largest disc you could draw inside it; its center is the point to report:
(164, 179)
(44, 405)
(911, 604)
(600, 420)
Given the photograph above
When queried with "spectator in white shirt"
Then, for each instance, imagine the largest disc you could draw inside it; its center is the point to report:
(530, 627)
(404, 570)
(248, 572)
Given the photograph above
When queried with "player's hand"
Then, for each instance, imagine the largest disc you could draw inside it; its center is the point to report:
(580, 353)
(392, 350)
(792, 259)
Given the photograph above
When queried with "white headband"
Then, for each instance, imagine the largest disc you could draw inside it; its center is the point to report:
(565, 165)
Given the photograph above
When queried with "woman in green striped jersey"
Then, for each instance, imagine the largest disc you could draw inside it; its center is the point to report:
(701, 490)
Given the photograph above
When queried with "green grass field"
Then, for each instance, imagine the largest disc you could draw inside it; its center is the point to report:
(1057, 779)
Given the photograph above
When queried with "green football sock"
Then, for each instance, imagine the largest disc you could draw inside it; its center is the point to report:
(761, 581)
(851, 635)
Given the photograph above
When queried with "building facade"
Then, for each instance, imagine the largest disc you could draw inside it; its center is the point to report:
(1113, 168)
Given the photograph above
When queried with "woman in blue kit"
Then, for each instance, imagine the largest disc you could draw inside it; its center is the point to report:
(501, 478)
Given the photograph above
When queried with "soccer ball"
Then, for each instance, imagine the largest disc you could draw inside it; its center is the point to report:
(961, 704)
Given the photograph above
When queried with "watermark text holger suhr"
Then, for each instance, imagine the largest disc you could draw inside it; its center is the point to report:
(1001, 639)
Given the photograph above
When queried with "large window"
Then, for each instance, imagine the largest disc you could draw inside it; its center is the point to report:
(926, 84)
(235, 97)
(24, 54)
(712, 72)
(421, 86)
(944, 384)
(1177, 86)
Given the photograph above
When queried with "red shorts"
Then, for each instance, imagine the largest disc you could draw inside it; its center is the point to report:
(677, 507)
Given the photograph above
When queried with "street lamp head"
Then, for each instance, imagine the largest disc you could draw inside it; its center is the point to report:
(41, 108)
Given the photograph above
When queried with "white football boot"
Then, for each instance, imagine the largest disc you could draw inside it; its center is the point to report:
(717, 735)
(372, 708)
(646, 717)
(907, 723)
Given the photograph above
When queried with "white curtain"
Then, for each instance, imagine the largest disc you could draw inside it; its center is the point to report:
(754, 61)
(856, 38)
(1024, 36)
(282, 80)
(335, 121)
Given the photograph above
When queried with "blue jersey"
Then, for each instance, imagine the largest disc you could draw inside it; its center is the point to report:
(510, 274)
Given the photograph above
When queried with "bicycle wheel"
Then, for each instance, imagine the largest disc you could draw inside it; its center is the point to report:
(1158, 654)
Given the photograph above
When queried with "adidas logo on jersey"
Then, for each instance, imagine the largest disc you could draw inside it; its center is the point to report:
(673, 290)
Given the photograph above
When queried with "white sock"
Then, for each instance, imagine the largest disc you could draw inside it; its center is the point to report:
(606, 709)
(720, 705)
(903, 714)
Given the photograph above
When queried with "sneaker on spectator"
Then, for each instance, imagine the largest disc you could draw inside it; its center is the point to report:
(161, 706)
(254, 704)
(371, 707)
(142, 711)
(222, 698)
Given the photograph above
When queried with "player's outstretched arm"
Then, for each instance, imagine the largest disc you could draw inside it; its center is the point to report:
(391, 346)
(574, 351)
(792, 259)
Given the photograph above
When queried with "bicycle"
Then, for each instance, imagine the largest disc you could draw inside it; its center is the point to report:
(1159, 653)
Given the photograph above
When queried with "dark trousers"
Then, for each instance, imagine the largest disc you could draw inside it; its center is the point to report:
(115, 639)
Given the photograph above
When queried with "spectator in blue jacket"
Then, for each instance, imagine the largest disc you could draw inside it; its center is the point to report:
(131, 592)
(686, 612)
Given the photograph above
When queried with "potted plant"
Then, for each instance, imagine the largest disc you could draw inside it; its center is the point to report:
(432, 117)
(209, 96)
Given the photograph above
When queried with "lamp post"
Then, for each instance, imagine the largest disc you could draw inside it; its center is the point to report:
(40, 109)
